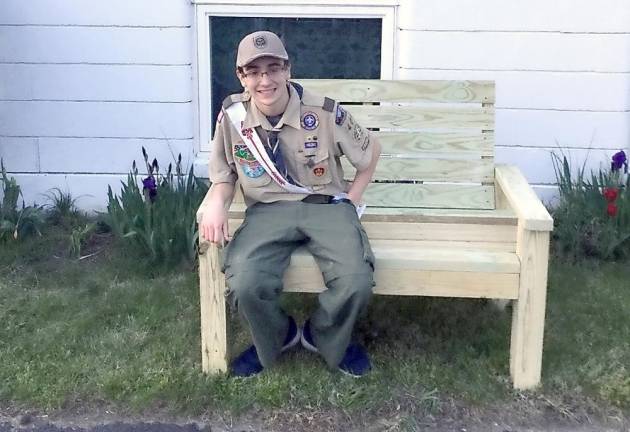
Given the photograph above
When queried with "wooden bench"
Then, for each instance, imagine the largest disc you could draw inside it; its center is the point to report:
(442, 218)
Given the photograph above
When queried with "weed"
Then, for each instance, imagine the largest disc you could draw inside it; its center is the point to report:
(16, 222)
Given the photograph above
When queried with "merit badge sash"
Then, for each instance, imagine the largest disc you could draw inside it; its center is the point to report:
(236, 113)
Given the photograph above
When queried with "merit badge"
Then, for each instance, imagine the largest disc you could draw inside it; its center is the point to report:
(248, 163)
(310, 144)
(260, 42)
(309, 120)
(319, 171)
(340, 117)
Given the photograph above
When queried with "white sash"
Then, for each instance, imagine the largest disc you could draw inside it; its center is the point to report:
(236, 113)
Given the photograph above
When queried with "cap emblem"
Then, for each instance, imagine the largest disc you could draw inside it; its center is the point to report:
(260, 42)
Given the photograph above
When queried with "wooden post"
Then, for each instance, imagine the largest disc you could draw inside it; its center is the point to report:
(528, 316)
(214, 353)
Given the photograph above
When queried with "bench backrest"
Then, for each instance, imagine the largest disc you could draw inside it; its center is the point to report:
(437, 140)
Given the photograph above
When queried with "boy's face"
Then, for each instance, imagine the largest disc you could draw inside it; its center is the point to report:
(266, 80)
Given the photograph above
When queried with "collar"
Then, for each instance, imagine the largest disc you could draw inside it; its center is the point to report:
(291, 116)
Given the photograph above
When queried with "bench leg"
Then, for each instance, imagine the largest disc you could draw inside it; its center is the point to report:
(528, 316)
(214, 352)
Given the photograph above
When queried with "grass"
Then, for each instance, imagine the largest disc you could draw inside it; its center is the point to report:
(102, 331)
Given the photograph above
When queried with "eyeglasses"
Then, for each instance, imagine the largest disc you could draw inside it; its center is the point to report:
(272, 73)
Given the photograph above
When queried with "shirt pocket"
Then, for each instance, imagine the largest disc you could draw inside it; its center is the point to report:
(251, 173)
(314, 170)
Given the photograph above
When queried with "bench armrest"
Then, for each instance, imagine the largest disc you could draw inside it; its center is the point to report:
(203, 206)
(531, 213)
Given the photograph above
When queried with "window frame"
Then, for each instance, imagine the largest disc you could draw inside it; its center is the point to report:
(204, 9)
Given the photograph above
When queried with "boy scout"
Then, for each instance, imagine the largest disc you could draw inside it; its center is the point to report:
(283, 144)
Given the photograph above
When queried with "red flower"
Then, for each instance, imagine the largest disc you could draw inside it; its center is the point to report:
(611, 210)
(611, 194)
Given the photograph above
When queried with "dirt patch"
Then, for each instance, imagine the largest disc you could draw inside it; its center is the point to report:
(534, 414)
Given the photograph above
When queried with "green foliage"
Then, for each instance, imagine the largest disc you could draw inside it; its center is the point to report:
(79, 237)
(584, 228)
(63, 210)
(15, 222)
(158, 221)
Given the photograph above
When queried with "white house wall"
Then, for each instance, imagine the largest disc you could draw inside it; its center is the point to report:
(562, 72)
(84, 85)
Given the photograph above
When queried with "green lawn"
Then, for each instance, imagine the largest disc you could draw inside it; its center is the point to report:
(104, 331)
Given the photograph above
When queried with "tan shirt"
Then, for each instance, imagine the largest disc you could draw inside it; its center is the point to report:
(312, 140)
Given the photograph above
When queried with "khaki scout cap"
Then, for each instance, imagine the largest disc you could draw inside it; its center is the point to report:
(260, 44)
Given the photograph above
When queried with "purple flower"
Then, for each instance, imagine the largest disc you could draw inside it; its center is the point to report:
(149, 187)
(619, 160)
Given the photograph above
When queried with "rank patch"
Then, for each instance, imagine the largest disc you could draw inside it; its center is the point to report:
(319, 171)
(309, 120)
(310, 144)
(340, 116)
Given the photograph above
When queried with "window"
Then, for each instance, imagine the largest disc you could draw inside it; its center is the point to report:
(317, 48)
(344, 39)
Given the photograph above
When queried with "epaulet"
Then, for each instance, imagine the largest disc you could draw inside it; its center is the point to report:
(231, 99)
(325, 103)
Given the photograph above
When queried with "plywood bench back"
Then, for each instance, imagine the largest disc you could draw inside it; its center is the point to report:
(437, 140)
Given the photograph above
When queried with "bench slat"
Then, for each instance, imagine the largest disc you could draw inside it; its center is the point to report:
(428, 170)
(404, 90)
(386, 195)
(396, 255)
(383, 232)
(418, 144)
(393, 214)
(418, 283)
(417, 117)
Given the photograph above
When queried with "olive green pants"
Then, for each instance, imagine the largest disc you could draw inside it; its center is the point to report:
(256, 258)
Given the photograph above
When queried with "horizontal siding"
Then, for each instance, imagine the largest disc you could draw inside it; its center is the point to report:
(515, 51)
(96, 119)
(531, 15)
(537, 166)
(109, 13)
(552, 90)
(90, 155)
(532, 128)
(96, 45)
(20, 154)
(96, 83)
(90, 190)
(109, 156)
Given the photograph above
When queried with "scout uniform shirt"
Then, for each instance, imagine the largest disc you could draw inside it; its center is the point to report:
(314, 133)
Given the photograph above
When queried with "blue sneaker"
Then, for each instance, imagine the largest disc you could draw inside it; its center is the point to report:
(248, 364)
(355, 362)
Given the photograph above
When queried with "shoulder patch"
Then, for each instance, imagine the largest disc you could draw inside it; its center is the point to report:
(328, 105)
(231, 99)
